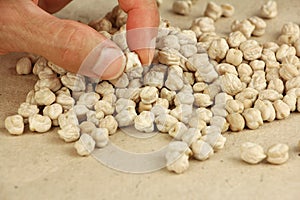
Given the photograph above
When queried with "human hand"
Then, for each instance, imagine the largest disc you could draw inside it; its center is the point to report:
(26, 27)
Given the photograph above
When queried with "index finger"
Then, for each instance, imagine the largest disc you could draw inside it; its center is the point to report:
(142, 26)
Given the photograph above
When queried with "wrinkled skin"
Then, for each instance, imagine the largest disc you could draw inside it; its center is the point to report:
(28, 26)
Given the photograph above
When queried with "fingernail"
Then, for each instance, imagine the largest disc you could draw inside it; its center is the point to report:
(141, 38)
(105, 61)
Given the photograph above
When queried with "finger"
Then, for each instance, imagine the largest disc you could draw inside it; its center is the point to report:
(66, 43)
(52, 6)
(142, 23)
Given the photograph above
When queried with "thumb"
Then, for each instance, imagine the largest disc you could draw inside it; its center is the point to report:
(69, 44)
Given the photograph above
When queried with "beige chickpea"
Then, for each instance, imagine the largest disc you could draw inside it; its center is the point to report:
(110, 123)
(219, 110)
(167, 94)
(182, 7)
(292, 83)
(205, 24)
(297, 47)
(235, 39)
(251, 49)
(257, 65)
(277, 85)
(169, 57)
(126, 117)
(202, 150)
(149, 95)
(234, 106)
(266, 109)
(85, 145)
(178, 130)
(272, 73)
(290, 66)
(278, 154)
(269, 94)
(67, 102)
(236, 121)
(269, 9)
(165, 122)
(104, 88)
(291, 101)
(282, 109)
(44, 97)
(57, 69)
(39, 123)
(244, 26)
(231, 84)
(258, 80)
(222, 98)
(284, 51)
(74, 82)
(253, 118)
(245, 72)
(69, 133)
(199, 87)
(39, 65)
(213, 10)
(14, 124)
(202, 100)
(247, 96)
(218, 49)
(268, 55)
(234, 57)
(290, 33)
(273, 46)
(177, 156)
(260, 25)
(252, 153)
(227, 10)
(24, 66)
(182, 112)
(220, 122)
(224, 68)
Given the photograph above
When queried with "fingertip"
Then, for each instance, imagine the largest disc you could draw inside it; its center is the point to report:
(115, 69)
(146, 56)
(106, 61)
